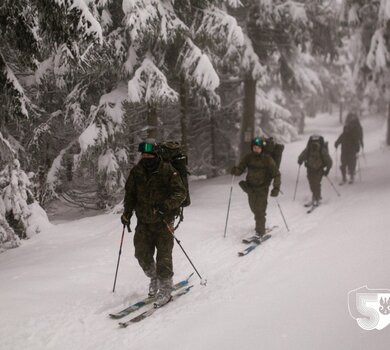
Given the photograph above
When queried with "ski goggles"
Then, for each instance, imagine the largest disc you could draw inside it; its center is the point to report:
(146, 147)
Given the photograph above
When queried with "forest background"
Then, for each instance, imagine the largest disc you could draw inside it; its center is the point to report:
(82, 82)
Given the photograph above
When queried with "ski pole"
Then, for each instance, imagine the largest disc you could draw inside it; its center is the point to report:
(336, 168)
(230, 199)
(364, 156)
(281, 212)
(296, 183)
(119, 258)
(338, 193)
(203, 282)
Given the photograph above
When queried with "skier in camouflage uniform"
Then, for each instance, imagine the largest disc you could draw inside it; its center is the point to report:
(155, 191)
(318, 163)
(351, 140)
(262, 169)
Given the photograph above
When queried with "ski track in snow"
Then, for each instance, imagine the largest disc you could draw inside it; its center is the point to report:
(290, 293)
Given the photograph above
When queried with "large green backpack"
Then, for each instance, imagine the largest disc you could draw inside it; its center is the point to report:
(274, 149)
(172, 152)
(316, 147)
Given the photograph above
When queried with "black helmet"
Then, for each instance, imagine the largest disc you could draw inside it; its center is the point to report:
(257, 141)
(148, 146)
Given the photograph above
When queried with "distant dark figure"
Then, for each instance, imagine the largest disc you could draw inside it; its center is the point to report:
(351, 140)
(318, 163)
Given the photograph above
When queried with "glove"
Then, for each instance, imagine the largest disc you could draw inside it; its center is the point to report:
(274, 192)
(125, 220)
(335, 145)
(300, 162)
(326, 171)
(161, 209)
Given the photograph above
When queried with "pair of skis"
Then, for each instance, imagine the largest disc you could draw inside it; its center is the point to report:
(255, 241)
(179, 289)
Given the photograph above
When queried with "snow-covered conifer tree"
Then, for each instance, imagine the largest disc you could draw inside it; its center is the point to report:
(369, 21)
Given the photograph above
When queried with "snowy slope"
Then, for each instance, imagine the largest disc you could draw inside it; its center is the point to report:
(291, 293)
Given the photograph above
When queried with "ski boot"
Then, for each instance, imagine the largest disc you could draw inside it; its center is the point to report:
(164, 292)
(153, 287)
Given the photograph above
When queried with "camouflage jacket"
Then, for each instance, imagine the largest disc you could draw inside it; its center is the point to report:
(262, 169)
(145, 192)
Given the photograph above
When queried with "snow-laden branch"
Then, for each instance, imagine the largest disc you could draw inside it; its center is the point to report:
(353, 15)
(378, 54)
(73, 110)
(296, 11)
(43, 129)
(197, 67)
(151, 19)
(150, 85)
(306, 77)
(233, 3)
(277, 123)
(141, 18)
(7, 152)
(17, 204)
(106, 119)
(109, 169)
(44, 68)
(221, 28)
(264, 103)
(250, 60)
(87, 23)
(12, 83)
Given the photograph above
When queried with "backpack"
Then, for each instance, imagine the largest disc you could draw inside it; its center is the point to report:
(273, 149)
(316, 147)
(172, 152)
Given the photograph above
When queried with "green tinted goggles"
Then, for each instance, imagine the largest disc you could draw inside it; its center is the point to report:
(146, 147)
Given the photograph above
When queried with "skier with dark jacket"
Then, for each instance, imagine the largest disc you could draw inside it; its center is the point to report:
(318, 164)
(350, 140)
(262, 170)
(155, 191)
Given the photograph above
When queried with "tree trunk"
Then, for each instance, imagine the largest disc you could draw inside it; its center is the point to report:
(301, 127)
(152, 121)
(388, 125)
(248, 118)
(183, 115)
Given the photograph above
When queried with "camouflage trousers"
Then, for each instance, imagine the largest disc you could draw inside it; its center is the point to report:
(257, 198)
(151, 238)
(315, 178)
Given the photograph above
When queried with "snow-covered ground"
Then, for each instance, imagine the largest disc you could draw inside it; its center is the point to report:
(290, 293)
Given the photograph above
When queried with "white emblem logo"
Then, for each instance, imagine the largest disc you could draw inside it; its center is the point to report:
(370, 307)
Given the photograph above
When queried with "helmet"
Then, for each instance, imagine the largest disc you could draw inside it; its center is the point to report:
(148, 146)
(257, 141)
